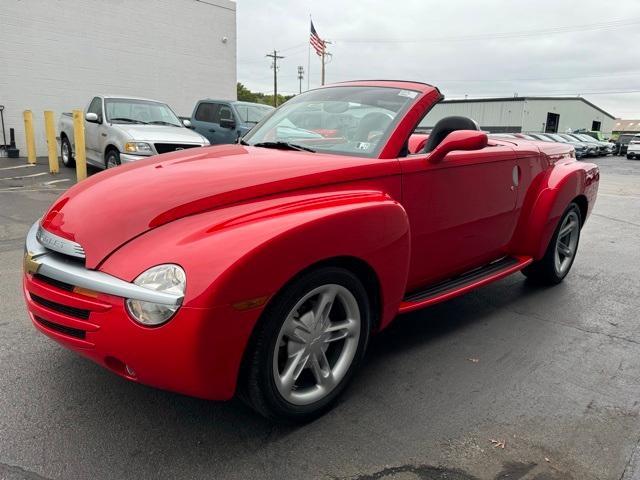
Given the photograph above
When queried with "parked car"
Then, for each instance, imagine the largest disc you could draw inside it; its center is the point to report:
(581, 150)
(587, 148)
(265, 267)
(633, 148)
(595, 134)
(604, 148)
(125, 129)
(222, 121)
(622, 143)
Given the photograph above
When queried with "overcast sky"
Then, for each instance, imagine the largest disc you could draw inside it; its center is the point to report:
(478, 48)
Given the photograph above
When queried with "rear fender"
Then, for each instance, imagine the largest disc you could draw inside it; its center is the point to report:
(541, 212)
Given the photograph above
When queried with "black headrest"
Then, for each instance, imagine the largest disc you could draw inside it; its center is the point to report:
(445, 126)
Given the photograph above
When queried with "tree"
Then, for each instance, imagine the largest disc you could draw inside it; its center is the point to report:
(246, 95)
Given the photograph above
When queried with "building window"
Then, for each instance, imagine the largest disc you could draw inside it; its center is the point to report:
(595, 126)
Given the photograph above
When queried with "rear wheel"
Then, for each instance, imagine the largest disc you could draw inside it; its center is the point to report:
(311, 340)
(66, 152)
(561, 252)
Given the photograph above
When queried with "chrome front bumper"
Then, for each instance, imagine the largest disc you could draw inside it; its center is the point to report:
(45, 262)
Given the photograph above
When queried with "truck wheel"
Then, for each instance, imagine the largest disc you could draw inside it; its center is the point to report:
(112, 159)
(66, 153)
(561, 252)
(310, 341)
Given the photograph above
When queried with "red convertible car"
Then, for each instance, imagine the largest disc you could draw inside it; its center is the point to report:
(264, 268)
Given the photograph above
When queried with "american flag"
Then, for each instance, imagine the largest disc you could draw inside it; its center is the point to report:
(316, 42)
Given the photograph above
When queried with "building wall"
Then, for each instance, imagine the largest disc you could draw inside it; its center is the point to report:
(522, 114)
(574, 114)
(505, 115)
(56, 55)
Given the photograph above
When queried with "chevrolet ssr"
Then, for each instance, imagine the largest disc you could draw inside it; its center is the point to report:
(262, 269)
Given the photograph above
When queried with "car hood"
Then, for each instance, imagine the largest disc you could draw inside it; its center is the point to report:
(160, 133)
(110, 208)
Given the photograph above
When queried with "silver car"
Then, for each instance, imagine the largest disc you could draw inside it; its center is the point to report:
(125, 129)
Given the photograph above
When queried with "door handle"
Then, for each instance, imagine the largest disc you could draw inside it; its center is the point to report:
(103, 134)
(212, 130)
(515, 176)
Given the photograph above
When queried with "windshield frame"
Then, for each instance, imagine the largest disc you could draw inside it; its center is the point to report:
(138, 101)
(384, 138)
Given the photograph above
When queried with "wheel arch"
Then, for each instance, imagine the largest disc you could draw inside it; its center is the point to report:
(108, 148)
(571, 182)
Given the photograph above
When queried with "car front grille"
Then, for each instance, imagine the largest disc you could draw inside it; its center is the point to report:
(54, 282)
(58, 307)
(172, 147)
(56, 327)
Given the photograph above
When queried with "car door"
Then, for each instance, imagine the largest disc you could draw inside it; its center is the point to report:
(461, 210)
(95, 133)
(205, 119)
(227, 125)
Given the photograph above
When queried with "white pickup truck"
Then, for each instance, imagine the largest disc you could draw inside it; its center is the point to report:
(124, 129)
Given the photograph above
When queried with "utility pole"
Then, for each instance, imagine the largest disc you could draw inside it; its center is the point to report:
(325, 55)
(274, 65)
(300, 76)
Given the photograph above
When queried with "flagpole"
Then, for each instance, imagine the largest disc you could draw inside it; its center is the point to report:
(309, 59)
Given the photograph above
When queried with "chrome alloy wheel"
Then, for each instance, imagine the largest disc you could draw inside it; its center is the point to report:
(567, 243)
(316, 344)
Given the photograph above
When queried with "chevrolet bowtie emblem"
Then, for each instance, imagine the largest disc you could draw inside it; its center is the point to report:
(29, 264)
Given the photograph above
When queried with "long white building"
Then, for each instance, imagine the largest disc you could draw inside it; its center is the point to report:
(56, 55)
(526, 114)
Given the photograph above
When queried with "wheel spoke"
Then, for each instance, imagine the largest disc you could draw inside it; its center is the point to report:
(321, 369)
(324, 304)
(564, 250)
(297, 330)
(295, 364)
(338, 331)
(568, 228)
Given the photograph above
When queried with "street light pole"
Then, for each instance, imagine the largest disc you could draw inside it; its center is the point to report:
(300, 76)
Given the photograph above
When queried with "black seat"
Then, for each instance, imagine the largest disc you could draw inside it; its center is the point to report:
(445, 126)
(371, 122)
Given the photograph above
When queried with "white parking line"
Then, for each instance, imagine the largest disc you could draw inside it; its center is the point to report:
(56, 181)
(19, 166)
(25, 176)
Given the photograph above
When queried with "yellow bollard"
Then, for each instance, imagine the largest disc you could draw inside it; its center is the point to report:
(52, 146)
(80, 153)
(29, 137)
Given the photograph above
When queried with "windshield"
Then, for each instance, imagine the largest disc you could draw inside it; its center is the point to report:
(252, 113)
(345, 120)
(126, 110)
(569, 138)
(585, 138)
(556, 137)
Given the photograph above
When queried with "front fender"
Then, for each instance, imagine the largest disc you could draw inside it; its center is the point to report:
(544, 205)
(247, 252)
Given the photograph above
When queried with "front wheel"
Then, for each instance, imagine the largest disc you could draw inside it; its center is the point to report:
(561, 252)
(310, 341)
(112, 159)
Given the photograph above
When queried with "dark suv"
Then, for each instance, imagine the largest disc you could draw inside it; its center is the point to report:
(623, 142)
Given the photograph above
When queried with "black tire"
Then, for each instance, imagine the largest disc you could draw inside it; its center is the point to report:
(258, 386)
(66, 153)
(112, 159)
(545, 271)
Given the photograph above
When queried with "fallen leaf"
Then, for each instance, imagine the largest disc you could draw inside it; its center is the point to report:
(499, 443)
(546, 459)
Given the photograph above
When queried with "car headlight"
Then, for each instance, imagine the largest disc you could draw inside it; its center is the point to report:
(168, 278)
(137, 147)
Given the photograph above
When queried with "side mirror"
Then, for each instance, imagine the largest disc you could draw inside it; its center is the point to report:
(187, 123)
(92, 117)
(227, 123)
(458, 140)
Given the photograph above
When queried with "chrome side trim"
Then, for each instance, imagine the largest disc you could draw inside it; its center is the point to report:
(52, 265)
(59, 244)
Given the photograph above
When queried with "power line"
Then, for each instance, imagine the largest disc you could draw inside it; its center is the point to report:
(613, 24)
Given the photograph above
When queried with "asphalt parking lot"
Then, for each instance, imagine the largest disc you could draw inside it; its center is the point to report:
(509, 382)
